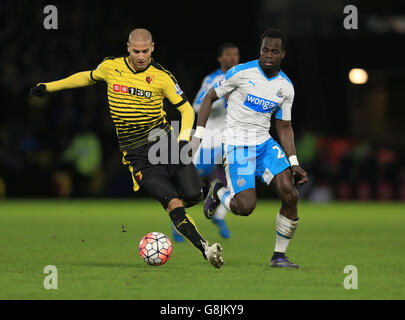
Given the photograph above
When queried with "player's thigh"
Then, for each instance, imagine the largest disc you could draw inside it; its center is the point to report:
(160, 187)
(154, 179)
(240, 166)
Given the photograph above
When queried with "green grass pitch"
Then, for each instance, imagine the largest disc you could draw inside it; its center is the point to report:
(95, 259)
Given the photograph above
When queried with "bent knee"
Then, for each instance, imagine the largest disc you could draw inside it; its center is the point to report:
(246, 208)
(192, 199)
(290, 197)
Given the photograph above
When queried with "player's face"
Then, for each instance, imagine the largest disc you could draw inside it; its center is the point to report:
(140, 53)
(271, 54)
(229, 58)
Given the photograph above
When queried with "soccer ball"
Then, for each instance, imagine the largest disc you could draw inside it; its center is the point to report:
(155, 248)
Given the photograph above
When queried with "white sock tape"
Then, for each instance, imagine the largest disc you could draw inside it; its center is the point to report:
(285, 227)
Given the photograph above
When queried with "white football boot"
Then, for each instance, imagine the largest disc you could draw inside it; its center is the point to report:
(213, 254)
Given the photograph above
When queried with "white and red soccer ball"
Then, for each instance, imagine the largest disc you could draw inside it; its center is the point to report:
(155, 248)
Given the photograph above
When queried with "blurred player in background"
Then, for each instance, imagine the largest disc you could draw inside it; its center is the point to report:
(136, 87)
(257, 89)
(208, 159)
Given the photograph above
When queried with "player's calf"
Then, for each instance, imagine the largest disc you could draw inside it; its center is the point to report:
(287, 220)
(245, 202)
(289, 200)
(185, 225)
(241, 204)
(283, 183)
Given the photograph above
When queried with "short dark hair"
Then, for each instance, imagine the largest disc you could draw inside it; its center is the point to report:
(224, 46)
(275, 33)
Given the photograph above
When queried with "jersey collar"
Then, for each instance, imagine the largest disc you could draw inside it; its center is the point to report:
(269, 79)
(134, 71)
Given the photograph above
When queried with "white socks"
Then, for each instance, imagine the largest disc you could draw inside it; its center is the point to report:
(225, 197)
(285, 229)
(220, 213)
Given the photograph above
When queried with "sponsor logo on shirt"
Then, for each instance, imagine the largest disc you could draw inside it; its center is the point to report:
(259, 104)
(132, 90)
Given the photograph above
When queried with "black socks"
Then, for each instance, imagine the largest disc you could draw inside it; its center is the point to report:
(186, 226)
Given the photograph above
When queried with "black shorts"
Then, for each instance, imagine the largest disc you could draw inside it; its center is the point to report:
(158, 168)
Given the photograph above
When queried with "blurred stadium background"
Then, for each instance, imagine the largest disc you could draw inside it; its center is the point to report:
(349, 137)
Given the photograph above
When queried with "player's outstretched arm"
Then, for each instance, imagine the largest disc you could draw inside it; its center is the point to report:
(286, 136)
(203, 115)
(77, 80)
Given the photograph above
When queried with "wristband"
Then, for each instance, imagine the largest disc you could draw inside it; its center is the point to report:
(199, 132)
(293, 160)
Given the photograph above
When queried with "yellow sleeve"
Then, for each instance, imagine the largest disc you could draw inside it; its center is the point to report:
(187, 120)
(77, 80)
(80, 79)
(179, 100)
(101, 72)
(173, 92)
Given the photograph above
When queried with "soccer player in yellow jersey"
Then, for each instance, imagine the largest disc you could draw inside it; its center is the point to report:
(136, 87)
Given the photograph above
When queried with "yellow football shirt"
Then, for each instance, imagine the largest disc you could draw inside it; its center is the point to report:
(136, 98)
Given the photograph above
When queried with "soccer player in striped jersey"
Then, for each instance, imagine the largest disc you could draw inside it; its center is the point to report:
(208, 159)
(136, 87)
(257, 89)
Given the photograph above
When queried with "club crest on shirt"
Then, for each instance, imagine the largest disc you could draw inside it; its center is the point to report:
(241, 182)
(148, 79)
(280, 93)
